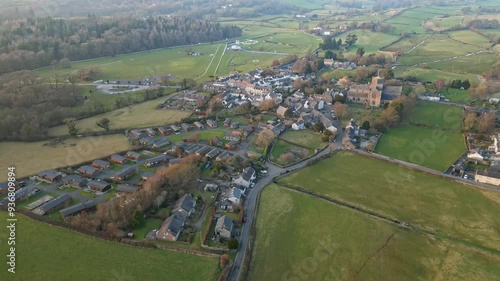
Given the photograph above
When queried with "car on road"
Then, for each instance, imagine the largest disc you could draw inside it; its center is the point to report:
(466, 177)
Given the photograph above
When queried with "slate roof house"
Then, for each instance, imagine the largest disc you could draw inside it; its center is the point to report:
(231, 197)
(171, 228)
(212, 123)
(246, 178)
(224, 227)
(127, 188)
(184, 207)
(133, 155)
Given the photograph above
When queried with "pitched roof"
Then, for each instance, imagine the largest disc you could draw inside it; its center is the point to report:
(248, 173)
(100, 162)
(74, 179)
(118, 157)
(50, 174)
(128, 188)
(125, 172)
(186, 203)
(224, 222)
(98, 184)
(87, 170)
(52, 203)
(78, 207)
(172, 224)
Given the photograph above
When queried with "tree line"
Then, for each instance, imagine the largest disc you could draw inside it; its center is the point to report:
(37, 42)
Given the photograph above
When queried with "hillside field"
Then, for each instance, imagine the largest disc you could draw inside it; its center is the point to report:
(32, 157)
(300, 237)
(130, 117)
(428, 202)
(74, 256)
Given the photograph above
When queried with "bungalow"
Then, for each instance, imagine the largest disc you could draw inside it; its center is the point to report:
(198, 125)
(176, 161)
(151, 132)
(156, 160)
(163, 130)
(101, 186)
(247, 128)
(223, 156)
(124, 174)
(227, 122)
(75, 181)
(246, 178)
(192, 149)
(75, 209)
(224, 227)
(133, 155)
(184, 207)
(212, 153)
(4, 186)
(235, 125)
(253, 155)
(52, 205)
(118, 159)
(186, 127)
(126, 188)
(147, 141)
(49, 175)
(232, 138)
(212, 123)
(216, 141)
(232, 145)
(171, 228)
(175, 128)
(21, 194)
(147, 175)
(88, 171)
(161, 143)
(135, 134)
(101, 164)
(202, 151)
(298, 126)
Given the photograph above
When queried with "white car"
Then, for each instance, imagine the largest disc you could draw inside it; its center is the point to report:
(465, 176)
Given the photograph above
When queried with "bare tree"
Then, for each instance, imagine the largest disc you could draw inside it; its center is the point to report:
(487, 122)
(341, 110)
(264, 138)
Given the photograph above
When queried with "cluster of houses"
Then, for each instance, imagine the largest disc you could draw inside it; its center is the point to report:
(173, 226)
(344, 65)
(186, 101)
(489, 157)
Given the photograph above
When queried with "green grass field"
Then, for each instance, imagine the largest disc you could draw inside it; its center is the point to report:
(457, 95)
(428, 202)
(281, 147)
(134, 116)
(305, 138)
(174, 61)
(428, 147)
(302, 238)
(434, 74)
(435, 115)
(33, 157)
(471, 38)
(370, 41)
(204, 135)
(44, 253)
